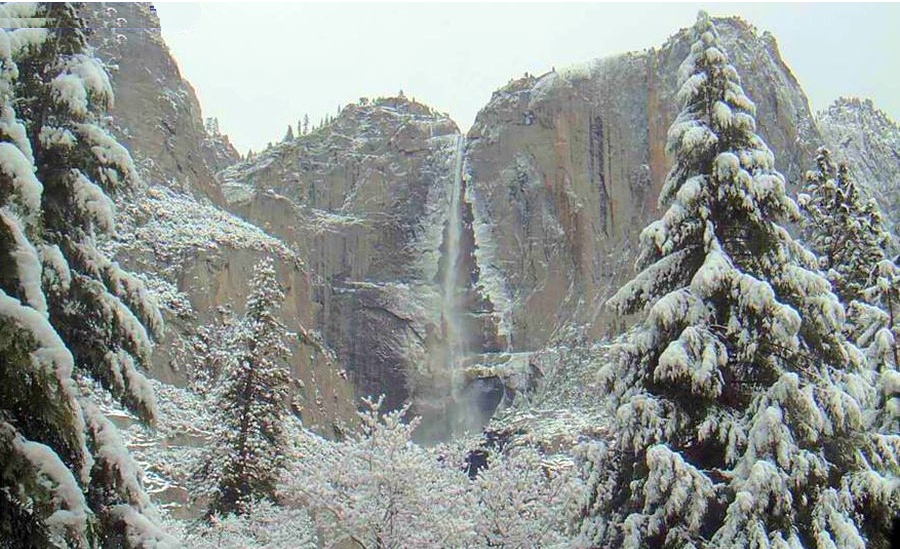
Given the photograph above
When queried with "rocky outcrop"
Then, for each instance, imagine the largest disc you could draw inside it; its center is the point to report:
(156, 112)
(364, 201)
(866, 138)
(195, 257)
(565, 170)
(197, 261)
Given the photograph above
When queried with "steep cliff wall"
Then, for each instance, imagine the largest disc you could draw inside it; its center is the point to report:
(156, 111)
(865, 137)
(566, 168)
(194, 256)
(364, 200)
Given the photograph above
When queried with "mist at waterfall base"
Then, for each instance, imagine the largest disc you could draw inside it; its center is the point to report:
(455, 405)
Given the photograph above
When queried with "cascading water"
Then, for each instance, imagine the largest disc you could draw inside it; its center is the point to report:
(445, 408)
(451, 308)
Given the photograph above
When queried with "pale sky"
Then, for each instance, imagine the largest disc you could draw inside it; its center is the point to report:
(259, 67)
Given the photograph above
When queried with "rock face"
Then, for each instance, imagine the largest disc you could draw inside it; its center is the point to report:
(195, 257)
(559, 175)
(866, 138)
(156, 111)
(197, 261)
(364, 200)
(565, 171)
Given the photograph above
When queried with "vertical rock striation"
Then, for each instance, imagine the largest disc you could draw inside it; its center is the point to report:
(566, 168)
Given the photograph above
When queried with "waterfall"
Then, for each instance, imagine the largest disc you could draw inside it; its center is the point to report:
(444, 407)
(451, 308)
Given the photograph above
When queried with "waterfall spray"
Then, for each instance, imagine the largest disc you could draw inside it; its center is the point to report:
(451, 307)
(444, 407)
(450, 402)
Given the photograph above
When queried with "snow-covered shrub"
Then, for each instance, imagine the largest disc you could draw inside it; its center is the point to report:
(264, 525)
(380, 489)
(526, 501)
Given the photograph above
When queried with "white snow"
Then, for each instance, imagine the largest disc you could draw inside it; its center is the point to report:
(23, 39)
(58, 479)
(15, 132)
(57, 137)
(110, 450)
(141, 532)
(55, 267)
(82, 79)
(21, 171)
(51, 351)
(114, 158)
(691, 86)
(91, 199)
(27, 262)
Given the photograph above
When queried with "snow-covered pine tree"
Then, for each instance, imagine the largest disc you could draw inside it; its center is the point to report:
(842, 228)
(735, 422)
(211, 351)
(875, 325)
(212, 126)
(66, 312)
(847, 233)
(249, 452)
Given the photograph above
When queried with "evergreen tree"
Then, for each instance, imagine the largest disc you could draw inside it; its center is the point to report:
(289, 136)
(250, 448)
(305, 124)
(875, 325)
(212, 126)
(737, 401)
(841, 227)
(847, 233)
(67, 313)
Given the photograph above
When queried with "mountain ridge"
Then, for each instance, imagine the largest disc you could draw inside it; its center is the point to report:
(559, 173)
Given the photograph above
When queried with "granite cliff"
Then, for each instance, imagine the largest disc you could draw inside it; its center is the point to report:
(861, 134)
(531, 217)
(566, 169)
(195, 256)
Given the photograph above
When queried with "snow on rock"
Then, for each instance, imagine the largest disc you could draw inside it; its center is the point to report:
(559, 400)
(869, 140)
(175, 225)
(566, 168)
